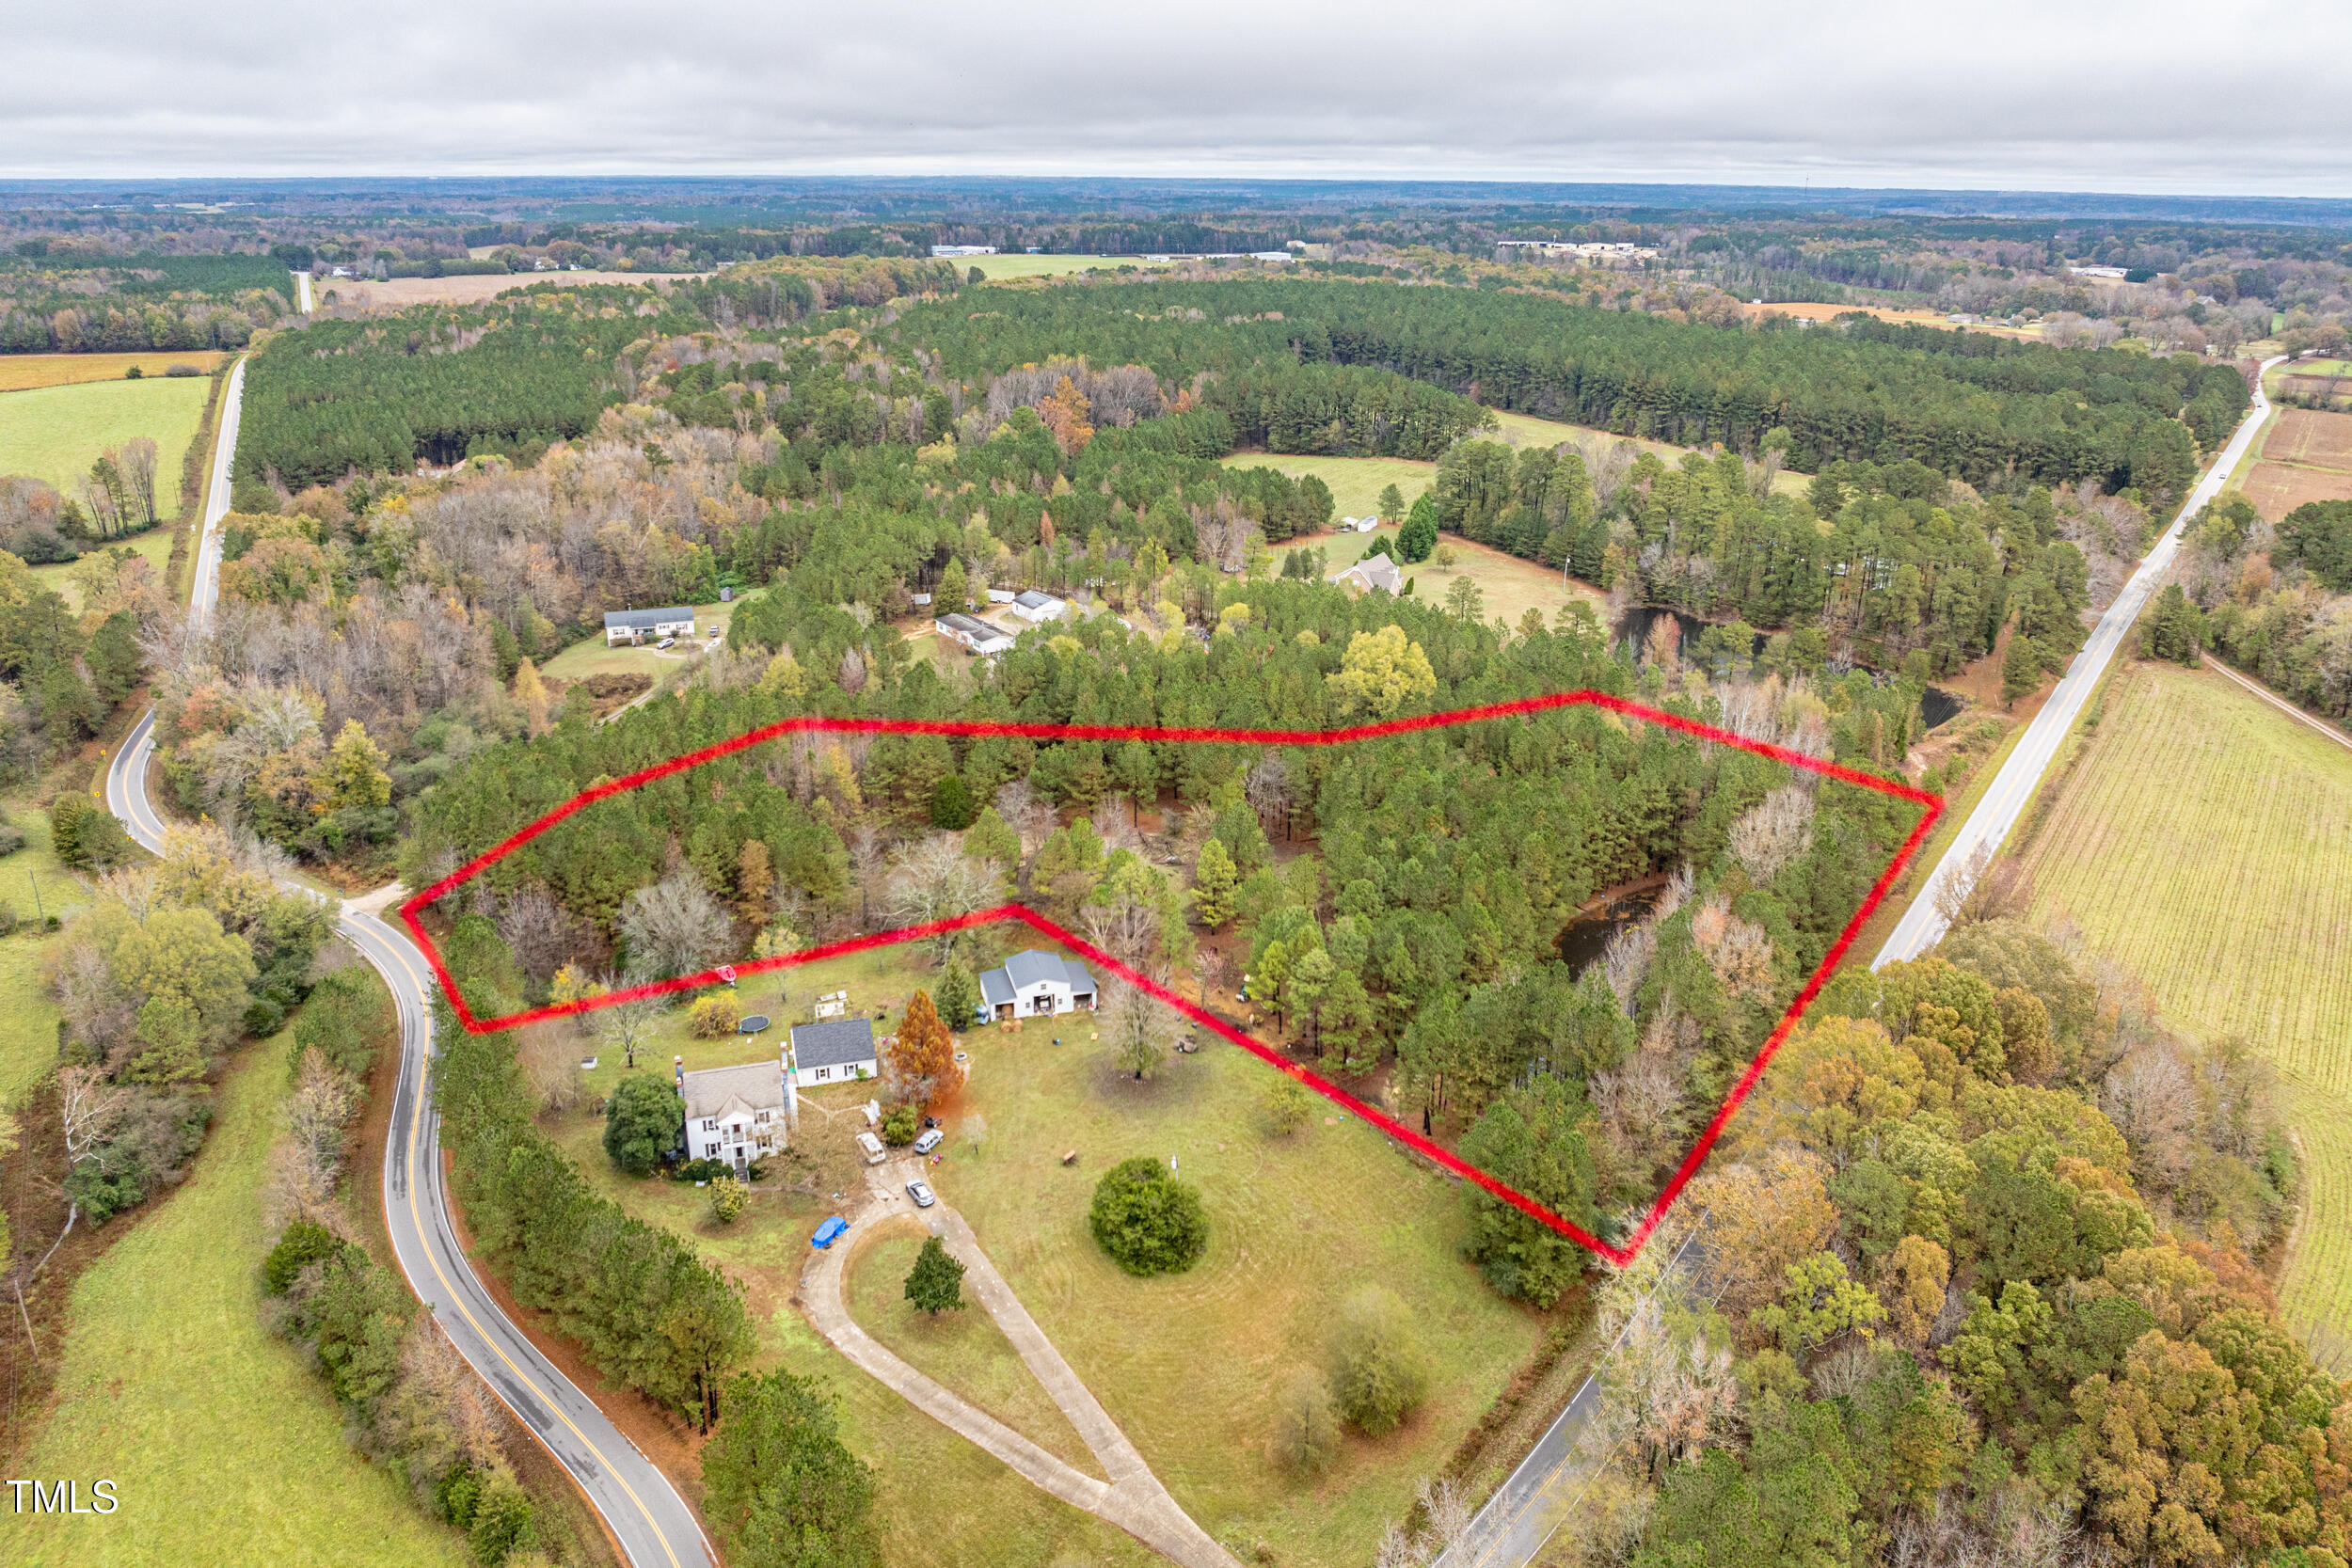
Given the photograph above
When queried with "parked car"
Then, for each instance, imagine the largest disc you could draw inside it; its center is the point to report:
(874, 1153)
(829, 1232)
(922, 1194)
(667, 642)
(928, 1141)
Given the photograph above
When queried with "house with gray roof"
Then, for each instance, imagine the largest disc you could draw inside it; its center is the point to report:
(1035, 984)
(635, 625)
(1037, 607)
(739, 1114)
(972, 633)
(1373, 571)
(836, 1051)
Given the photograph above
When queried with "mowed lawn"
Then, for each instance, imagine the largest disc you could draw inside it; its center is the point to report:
(999, 269)
(2200, 844)
(1509, 586)
(156, 544)
(1188, 1366)
(223, 1448)
(54, 433)
(20, 371)
(1354, 482)
(592, 656)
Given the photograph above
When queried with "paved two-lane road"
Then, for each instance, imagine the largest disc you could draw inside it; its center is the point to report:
(1922, 925)
(652, 1523)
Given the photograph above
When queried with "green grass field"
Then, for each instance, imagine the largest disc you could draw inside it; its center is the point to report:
(155, 544)
(1186, 1365)
(2199, 845)
(53, 433)
(28, 1023)
(1354, 481)
(223, 1448)
(1511, 586)
(19, 372)
(999, 269)
(1525, 430)
(589, 655)
(963, 1351)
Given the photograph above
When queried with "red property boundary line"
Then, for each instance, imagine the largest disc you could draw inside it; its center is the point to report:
(1620, 1253)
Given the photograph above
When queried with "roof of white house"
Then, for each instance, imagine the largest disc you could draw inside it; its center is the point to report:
(1376, 571)
(755, 1086)
(835, 1042)
(1029, 967)
(1031, 599)
(641, 619)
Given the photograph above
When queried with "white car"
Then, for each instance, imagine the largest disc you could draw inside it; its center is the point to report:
(928, 1141)
(667, 642)
(922, 1194)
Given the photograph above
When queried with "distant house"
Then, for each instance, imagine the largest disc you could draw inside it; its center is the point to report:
(976, 635)
(1373, 571)
(2097, 272)
(964, 250)
(634, 626)
(738, 1115)
(1000, 595)
(1034, 984)
(838, 1051)
(1039, 608)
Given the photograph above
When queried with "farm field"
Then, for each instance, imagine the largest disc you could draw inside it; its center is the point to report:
(2184, 848)
(53, 433)
(1000, 269)
(1820, 311)
(19, 372)
(2306, 455)
(398, 294)
(223, 1447)
(1187, 1365)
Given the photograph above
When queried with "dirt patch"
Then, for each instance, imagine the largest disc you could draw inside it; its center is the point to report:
(2306, 457)
(613, 692)
(1820, 312)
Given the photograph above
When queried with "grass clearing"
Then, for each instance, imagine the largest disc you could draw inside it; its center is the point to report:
(2185, 849)
(28, 1021)
(965, 1352)
(19, 372)
(1354, 481)
(591, 655)
(1511, 586)
(223, 1447)
(1188, 1366)
(54, 432)
(1001, 269)
(156, 544)
(1526, 430)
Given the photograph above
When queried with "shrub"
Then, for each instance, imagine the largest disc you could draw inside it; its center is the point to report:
(302, 1245)
(11, 838)
(728, 1197)
(1146, 1220)
(1287, 1106)
(1380, 1371)
(84, 837)
(643, 1123)
(901, 1126)
(701, 1170)
(717, 1014)
(8, 919)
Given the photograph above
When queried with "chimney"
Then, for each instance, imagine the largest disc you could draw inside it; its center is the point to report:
(678, 1065)
(792, 1088)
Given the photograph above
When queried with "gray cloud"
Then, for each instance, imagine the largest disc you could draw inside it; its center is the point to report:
(2163, 96)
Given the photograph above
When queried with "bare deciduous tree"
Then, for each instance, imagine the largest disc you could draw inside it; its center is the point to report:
(1771, 836)
(135, 462)
(536, 929)
(1958, 879)
(550, 1064)
(936, 880)
(676, 927)
(90, 1110)
(1025, 812)
(626, 1027)
(1141, 1029)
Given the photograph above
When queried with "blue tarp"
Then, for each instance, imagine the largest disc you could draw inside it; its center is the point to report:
(830, 1231)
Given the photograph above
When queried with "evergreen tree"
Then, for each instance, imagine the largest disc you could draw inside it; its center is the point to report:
(2020, 668)
(642, 1122)
(936, 1284)
(959, 1000)
(1419, 536)
(1215, 883)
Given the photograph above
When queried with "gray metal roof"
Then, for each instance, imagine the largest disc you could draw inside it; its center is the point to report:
(1032, 599)
(1033, 967)
(639, 618)
(835, 1042)
(969, 625)
(757, 1084)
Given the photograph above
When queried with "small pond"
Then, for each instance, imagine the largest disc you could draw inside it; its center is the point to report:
(1582, 940)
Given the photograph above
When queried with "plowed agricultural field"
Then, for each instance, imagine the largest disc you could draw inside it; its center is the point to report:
(2308, 457)
(2201, 844)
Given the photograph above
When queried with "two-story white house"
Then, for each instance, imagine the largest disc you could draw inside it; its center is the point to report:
(738, 1115)
(1034, 984)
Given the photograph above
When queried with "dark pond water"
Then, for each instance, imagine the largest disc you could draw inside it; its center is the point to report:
(1938, 706)
(1582, 940)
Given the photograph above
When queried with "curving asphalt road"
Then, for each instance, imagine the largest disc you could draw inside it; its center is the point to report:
(651, 1521)
(2013, 786)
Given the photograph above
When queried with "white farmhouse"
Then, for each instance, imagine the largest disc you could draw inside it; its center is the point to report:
(1035, 984)
(738, 1115)
(837, 1050)
(972, 633)
(635, 625)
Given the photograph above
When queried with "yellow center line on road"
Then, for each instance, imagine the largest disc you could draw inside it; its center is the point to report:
(416, 1218)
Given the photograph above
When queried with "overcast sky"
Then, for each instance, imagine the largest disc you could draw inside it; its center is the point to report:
(2216, 96)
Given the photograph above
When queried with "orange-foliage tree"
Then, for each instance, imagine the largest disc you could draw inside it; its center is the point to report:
(922, 1060)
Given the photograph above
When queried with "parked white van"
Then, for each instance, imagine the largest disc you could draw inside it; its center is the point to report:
(873, 1147)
